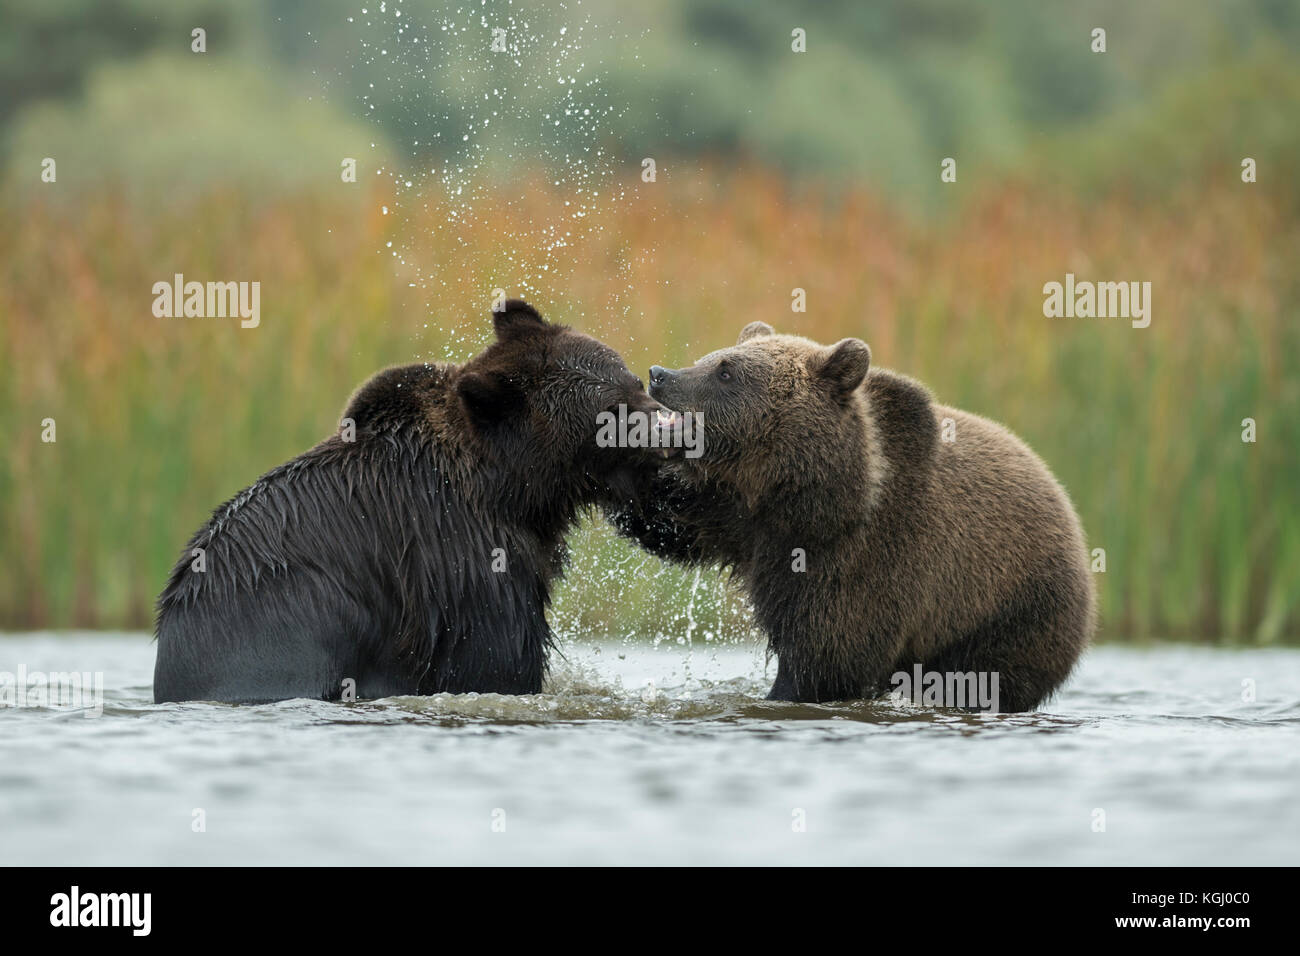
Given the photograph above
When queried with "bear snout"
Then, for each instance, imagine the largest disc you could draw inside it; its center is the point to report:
(662, 381)
(660, 375)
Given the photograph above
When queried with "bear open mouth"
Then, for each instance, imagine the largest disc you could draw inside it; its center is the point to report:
(669, 424)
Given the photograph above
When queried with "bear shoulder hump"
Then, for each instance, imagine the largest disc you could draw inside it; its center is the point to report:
(898, 397)
(398, 395)
(903, 410)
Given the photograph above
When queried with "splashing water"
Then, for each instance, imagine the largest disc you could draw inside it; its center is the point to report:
(495, 107)
(500, 180)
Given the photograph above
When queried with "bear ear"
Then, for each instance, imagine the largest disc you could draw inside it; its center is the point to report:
(843, 366)
(515, 318)
(754, 330)
(488, 397)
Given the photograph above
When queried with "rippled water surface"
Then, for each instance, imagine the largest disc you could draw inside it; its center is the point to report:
(659, 755)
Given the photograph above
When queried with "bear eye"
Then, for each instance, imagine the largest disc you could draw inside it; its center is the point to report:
(724, 373)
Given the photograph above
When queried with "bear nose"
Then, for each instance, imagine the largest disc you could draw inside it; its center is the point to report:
(658, 374)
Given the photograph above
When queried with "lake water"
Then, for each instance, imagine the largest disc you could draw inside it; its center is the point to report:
(658, 755)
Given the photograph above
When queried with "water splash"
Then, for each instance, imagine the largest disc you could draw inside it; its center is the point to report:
(494, 106)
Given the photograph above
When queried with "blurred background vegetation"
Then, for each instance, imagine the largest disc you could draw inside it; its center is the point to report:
(776, 170)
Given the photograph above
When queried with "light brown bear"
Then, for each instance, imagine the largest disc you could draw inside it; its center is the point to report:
(873, 529)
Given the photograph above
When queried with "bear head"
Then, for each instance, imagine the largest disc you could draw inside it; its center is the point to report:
(779, 411)
(538, 395)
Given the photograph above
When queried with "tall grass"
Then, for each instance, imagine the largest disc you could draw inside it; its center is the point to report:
(158, 420)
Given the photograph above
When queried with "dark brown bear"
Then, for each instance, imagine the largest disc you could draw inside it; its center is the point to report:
(873, 529)
(418, 557)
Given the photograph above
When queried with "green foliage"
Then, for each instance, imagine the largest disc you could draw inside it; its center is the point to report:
(47, 48)
(885, 90)
(777, 170)
(159, 420)
(189, 121)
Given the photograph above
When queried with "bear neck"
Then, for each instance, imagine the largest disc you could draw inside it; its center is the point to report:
(544, 501)
(851, 460)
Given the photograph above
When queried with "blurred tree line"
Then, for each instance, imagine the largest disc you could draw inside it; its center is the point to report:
(881, 86)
